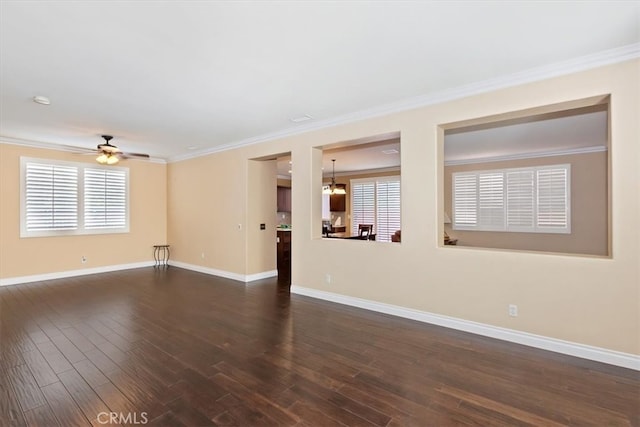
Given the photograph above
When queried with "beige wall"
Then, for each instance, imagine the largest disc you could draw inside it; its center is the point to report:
(587, 300)
(207, 211)
(262, 203)
(41, 255)
(589, 204)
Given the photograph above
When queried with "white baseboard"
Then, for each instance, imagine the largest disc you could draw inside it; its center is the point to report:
(612, 357)
(72, 273)
(226, 274)
(260, 276)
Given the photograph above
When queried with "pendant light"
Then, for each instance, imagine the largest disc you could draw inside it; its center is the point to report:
(334, 189)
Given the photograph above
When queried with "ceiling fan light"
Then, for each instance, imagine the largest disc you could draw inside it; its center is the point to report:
(112, 160)
(102, 159)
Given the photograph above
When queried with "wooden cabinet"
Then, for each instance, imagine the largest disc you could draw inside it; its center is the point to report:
(338, 202)
(284, 256)
(284, 199)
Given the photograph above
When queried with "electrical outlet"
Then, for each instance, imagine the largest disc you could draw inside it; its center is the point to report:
(84, 259)
(202, 255)
(513, 310)
(327, 278)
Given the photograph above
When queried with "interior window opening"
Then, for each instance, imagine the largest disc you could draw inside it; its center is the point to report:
(533, 181)
(361, 191)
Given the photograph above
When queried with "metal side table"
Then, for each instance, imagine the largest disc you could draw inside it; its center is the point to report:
(161, 255)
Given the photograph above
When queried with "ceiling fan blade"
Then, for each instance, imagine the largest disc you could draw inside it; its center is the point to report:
(140, 155)
(78, 150)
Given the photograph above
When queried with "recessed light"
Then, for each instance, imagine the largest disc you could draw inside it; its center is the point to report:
(390, 151)
(301, 118)
(43, 100)
(193, 147)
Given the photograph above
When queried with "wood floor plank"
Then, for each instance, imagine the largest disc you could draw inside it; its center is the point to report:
(54, 357)
(27, 391)
(39, 367)
(79, 340)
(64, 407)
(10, 411)
(90, 373)
(100, 360)
(84, 396)
(183, 410)
(41, 416)
(257, 401)
(185, 348)
(67, 348)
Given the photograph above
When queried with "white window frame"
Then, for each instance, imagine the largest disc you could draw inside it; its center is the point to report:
(80, 229)
(472, 217)
(375, 181)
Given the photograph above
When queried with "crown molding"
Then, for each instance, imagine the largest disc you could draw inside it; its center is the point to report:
(607, 57)
(60, 147)
(596, 149)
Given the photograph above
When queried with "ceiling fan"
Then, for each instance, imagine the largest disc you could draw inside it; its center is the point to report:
(109, 154)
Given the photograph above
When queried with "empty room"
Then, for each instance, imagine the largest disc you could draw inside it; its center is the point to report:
(314, 213)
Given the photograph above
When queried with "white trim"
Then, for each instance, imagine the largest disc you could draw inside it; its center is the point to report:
(598, 354)
(73, 273)
(226, 274)
(568, 152)
(570, 66)
(260, 276)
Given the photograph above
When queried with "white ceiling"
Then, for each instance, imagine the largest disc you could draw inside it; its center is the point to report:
(563, 134)
(358, 158)
(175, 78)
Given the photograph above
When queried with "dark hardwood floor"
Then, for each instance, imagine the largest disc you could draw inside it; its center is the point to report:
(173, 347)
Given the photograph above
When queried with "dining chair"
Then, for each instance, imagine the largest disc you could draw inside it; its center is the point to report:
(365, 230)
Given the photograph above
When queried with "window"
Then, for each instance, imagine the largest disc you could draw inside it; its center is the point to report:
(51, 199)
(65, 198)
(534, 200)
(105, 198)
(376, 201)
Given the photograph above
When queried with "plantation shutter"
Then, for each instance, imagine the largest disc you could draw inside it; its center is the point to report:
(491, 200)
(553, 199)
(105, 198)
(388, 209)
(51, 197)
(363, 203)
(465, 200)
(532, 199)
(520, 200)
